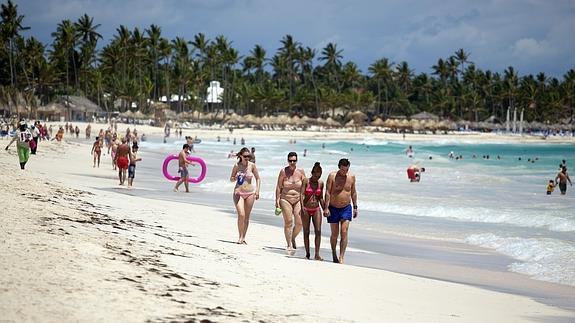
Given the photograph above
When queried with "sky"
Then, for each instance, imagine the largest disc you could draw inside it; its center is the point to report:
(531, 35)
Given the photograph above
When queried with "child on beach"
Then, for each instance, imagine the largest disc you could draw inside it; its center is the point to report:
(132, 167)
(550, 187)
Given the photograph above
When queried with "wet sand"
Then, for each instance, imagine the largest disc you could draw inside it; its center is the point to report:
(78, 247)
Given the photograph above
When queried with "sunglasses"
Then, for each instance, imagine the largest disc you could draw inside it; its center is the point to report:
(292, 160)
(247, 156)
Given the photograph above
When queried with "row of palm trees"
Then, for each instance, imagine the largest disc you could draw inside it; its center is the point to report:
(141, 66)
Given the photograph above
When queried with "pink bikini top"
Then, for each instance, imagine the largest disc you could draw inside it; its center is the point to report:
(309, 190)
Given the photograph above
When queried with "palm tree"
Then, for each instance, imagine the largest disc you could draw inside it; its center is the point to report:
(10, 29)
(332, 57)
(381, 71)
(154, 38)
(86, 31)
(288, 53)
(463, 58)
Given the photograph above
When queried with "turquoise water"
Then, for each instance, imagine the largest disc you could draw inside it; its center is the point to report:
(500, 204)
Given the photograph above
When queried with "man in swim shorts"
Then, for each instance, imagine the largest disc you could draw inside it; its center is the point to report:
(132, 167)
(414, 173)
(183, 168)
(562, 178)
(122, 160)
(340, 194)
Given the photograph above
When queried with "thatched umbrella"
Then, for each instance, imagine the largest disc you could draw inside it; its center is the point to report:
(403, 124)
(320, 121)
(249, 119)
(351, 124)
(332, 123)
(391, 123)
(357, 116)
(296, 121)
(139, 115)
(378, 122)
(234, 119)
(307, 120)
(127, 114)
(283, 119)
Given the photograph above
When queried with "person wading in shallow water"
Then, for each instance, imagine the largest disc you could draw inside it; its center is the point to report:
(339, 195)
(562, 178)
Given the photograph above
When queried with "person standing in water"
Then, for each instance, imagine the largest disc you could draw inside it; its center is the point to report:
(562, 178)
(340, 194)
(244, 173)
(312, 200)
(288, 190)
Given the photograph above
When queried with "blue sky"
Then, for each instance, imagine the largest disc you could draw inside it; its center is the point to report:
(531, 35)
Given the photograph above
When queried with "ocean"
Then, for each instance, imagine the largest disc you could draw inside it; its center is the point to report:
(475, 213)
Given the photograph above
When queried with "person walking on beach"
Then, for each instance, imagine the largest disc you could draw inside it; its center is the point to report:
(562, 178)
(312, 200)
(97, 151)
(340, 194)
(35, 131)
(122, 160)
(132, 167)
(288, 190)
(246, 193)
(22, 138)
(183, 168)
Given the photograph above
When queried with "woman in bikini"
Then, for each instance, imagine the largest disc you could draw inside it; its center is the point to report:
(245, 194)
(97, 151)
(288, 199)
(312, 200)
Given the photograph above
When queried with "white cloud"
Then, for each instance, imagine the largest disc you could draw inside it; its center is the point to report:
(532, 35)
(530, 47)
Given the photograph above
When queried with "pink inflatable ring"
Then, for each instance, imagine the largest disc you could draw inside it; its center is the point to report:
(189, 158)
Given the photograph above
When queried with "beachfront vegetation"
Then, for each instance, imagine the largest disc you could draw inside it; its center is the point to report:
(140, 65)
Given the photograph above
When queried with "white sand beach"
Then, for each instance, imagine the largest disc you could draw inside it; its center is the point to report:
(331, 133)
(76, 247)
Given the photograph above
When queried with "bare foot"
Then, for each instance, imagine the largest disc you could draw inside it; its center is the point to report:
(293, 244)
(175, 190)
(244, 242)
(341, 259)
(317, 257)
(307, 255)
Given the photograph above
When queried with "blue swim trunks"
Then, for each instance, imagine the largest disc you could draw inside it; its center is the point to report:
(337, 215)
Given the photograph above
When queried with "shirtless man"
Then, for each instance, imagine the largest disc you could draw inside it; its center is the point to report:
(562, 178)
(132, 167)
(339, 195)
(122, 160)
(183, 168)
(414, 173)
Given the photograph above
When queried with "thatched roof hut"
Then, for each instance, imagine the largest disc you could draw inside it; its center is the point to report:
(424, 116)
